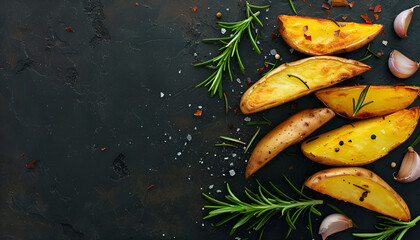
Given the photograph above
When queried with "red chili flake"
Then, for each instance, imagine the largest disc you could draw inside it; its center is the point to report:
(366, 18)
(137, 3)
(266, 65)
(376, 16)
(337, 33)
(383, 33)
(377, 8)
(371, 8)
(326, 5)
(195, 8)
(260, 70)
(308, 37)
(103, 149)
(351, 4)
(198, 113)
(22, 154)
(59, 69)
(303, 0)
(69, 29)
(344, 17)
(305, 28)
(327, 11)
(249, 81)
(291, 167)
(235, 110)
(31, 164)
(274, 35)
(150, 187)
(225, 93)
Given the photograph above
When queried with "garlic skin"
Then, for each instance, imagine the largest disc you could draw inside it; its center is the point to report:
(401, 66)
(334, 223)
(410, 167)
(402, 21)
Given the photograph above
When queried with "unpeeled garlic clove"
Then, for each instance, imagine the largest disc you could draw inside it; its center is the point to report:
(334, 223)
(410, 167)
(401, 66)
(402, 21)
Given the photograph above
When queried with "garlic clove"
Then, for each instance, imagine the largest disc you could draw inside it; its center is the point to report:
(410, 167)
(402, 21)
(401, 66)
(334, 223)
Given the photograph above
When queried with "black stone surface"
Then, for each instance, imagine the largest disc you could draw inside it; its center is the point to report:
(124, 80)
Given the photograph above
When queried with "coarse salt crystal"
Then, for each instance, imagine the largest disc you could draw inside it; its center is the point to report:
(247, 119)
(385, 42)
(232, 172)
(273, 52)
(162, 94)
(189, 137)
(223, 30)
(238, 80)
(211, 186)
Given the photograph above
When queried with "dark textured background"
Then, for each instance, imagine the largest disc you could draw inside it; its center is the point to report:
(114, 68)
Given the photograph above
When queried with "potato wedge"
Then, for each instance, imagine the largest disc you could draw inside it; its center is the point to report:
(361, 187)
(315, 36)
(284, 83)
(386, 99)
(362, 142)
(291, 131)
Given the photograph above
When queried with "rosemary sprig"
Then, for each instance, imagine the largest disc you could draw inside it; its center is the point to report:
(362, 97)
(221, 63)
(390, 227)
(271, 69)
(264, 205)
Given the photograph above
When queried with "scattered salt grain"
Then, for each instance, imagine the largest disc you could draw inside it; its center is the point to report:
(385, 42)
(273, 52)
(223, 30)
(179, 154)
(179, 72)
(211, 186)
(195, 54)
(232, 172)
(247, 119)
(200, 107)
(218, 191)
(291, 50)
(226, 158)
(231, 164)
(233, 154)
(238, 80)
(189, 137)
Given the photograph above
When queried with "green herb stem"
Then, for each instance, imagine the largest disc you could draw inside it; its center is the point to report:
(293, 7)
(225, 145)
(360, 100)
(389, 228)
(273, 66)
(416, 141)
(365, 58)
(252, 139)
(232, 140)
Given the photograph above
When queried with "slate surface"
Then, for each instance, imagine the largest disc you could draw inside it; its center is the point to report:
(124, 80)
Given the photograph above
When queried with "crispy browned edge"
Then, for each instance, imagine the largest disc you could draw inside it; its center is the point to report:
(244, 99)
(318, 177)
(333, 162)
(290, 122)
(342, 114)
(349, 48)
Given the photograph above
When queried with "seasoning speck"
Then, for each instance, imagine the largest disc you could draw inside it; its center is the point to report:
(232, 172)
(162, 94)
(341, 143)
(337, 149)
(277, 56)
(219, 15)
(373, 136)
(189, 137)
(211, 186)
(393, 164)
(223, 30)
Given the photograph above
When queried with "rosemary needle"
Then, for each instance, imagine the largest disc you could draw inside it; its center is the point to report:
(252, 139)
(225, 145)
(226, 103)
(232, 140)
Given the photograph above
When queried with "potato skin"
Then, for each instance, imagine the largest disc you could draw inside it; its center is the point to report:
(362, 142)
(386, 99)
(277, 88)
(324, 41)
(317, 178)
(292, 130)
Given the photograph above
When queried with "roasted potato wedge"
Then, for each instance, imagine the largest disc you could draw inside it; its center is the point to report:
(386, 99)
(362, 142)
(361, 187)
(296, 79)
(315, 36)
(291, 131)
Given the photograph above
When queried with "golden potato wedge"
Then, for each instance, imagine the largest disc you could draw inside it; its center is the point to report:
(386, 99)
(291, 131)
(362, 142)
(296, 79)
(315, 36)
(361, 187)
